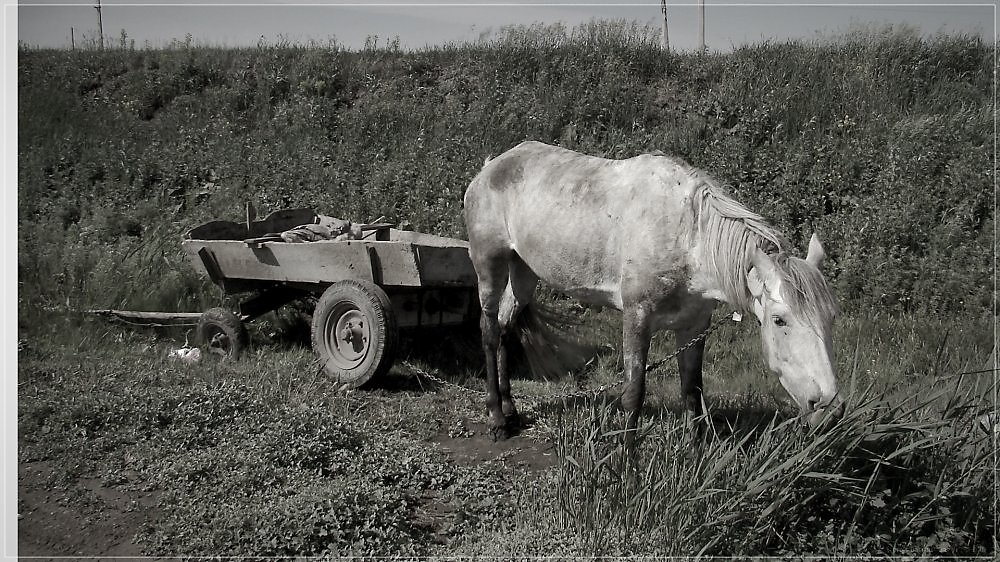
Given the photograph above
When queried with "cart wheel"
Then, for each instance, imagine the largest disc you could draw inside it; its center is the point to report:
(222, 333)
(354, 332)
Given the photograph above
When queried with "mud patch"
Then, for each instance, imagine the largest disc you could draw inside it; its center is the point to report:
(505, 173)
(470, 444)
(81, 519)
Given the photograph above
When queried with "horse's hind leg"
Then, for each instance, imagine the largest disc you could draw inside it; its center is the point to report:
(520, 291)
(492, 271)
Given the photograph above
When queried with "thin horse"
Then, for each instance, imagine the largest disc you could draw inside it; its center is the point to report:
(660, 241)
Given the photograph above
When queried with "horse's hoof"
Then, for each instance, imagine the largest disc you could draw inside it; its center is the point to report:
(500, 433)
(699, 428)
(513, 421)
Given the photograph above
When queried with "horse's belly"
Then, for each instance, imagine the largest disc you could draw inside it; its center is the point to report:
(582, 276)
(596, 296)
(573, 252)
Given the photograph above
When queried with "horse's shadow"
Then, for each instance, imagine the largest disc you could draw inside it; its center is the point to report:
(456, 355)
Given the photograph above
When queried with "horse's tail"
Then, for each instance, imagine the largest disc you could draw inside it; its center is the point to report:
(551, 350)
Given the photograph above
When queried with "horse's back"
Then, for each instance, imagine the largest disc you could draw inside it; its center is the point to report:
(572, 218)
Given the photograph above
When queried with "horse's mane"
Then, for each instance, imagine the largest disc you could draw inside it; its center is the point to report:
(729, 232)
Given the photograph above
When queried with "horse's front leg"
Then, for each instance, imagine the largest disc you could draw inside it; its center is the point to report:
(635, 349)
(689, 364)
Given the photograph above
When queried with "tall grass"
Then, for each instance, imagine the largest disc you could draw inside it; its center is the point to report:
(903, 475)
(264, 457)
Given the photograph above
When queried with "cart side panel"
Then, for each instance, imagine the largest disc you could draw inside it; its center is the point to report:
(315, 262)
(432, 307)
(444, 266)
(394, 264)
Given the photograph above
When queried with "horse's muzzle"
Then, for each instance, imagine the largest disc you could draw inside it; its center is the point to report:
(825, 416)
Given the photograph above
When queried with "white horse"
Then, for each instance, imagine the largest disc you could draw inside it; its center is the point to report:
(656, 239)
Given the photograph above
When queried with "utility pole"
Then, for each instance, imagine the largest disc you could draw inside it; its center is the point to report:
(664, 36)
(72, 39)
(100, 24)
(701, 28)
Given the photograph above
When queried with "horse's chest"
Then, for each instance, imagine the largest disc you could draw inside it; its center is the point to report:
(681, 314)
(667, 295)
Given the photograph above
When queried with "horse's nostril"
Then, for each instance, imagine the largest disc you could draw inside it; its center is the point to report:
(812, 405)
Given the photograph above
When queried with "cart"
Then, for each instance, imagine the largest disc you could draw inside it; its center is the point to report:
(368, 288)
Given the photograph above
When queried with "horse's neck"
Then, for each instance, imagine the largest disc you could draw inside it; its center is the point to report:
(715, 278)
(706, 285)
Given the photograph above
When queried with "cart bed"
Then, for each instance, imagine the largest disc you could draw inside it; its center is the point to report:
(399, 258)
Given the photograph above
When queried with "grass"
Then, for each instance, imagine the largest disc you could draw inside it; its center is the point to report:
(896, 476)
(878, 140)
(264, 458)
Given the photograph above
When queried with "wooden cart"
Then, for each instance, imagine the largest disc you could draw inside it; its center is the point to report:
(368, 289)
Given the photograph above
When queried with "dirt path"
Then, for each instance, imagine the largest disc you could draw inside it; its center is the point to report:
(87, 519)
(82, 519)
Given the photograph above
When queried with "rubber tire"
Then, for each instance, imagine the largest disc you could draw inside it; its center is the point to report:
(355, 300)
(216, 322)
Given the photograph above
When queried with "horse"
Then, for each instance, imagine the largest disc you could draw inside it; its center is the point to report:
(657, 239)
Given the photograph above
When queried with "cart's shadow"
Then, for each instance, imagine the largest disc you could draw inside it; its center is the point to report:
(451, 354)
(454, 354)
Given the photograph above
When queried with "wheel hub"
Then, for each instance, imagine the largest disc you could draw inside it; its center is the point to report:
(349, 338)
(219, 344)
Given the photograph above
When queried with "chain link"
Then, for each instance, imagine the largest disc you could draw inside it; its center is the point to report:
(422, 373)
(582, 393)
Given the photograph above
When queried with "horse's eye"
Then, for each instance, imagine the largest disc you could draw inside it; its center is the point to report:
(778, 321)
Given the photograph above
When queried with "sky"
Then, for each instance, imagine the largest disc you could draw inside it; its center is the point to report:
(419, 23)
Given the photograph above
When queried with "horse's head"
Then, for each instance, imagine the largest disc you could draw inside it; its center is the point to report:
(796, 308)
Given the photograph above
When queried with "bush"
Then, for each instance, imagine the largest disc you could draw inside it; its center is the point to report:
(878, 140)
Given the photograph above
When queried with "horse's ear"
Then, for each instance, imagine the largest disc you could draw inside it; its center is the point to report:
(755, 284)
(766, 270)
(758, 310)
(816, 252)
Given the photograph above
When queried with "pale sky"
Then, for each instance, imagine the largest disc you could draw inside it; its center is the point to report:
(418, 23)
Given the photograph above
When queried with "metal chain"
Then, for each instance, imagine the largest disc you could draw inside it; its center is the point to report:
(656, 364)
(582, 393)
(422, 373)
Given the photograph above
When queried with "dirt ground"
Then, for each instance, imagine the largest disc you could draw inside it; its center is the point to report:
(82, 519)
(477, 447)
(88, 519)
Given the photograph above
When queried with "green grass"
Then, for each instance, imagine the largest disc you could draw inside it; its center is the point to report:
(264, 458)
(897, 476)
